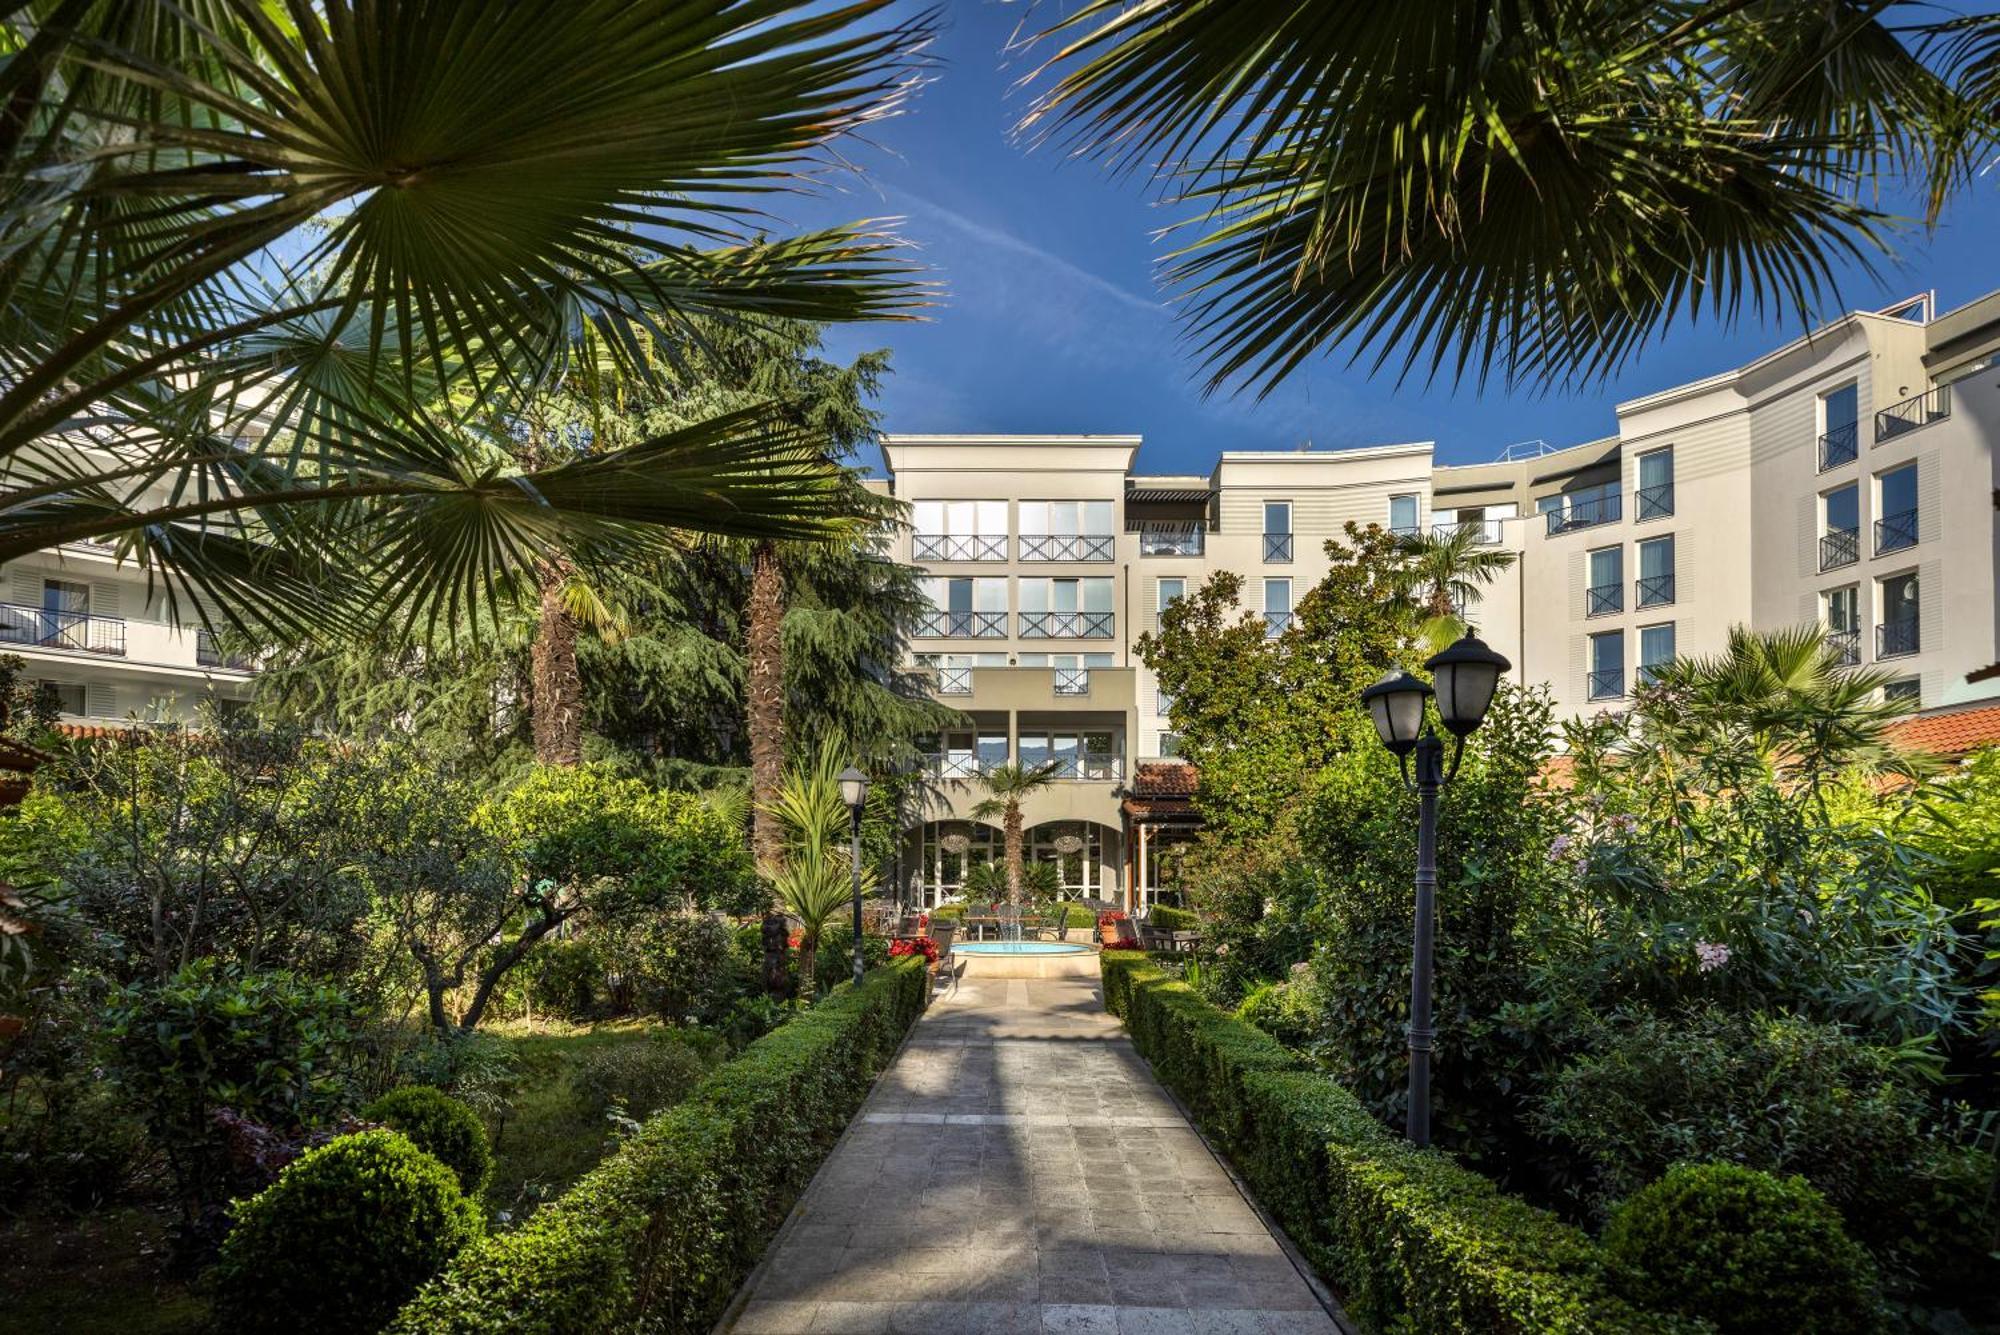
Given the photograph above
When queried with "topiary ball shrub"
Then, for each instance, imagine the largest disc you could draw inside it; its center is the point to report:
(342, 1239)
(1751, 1253)
(441, 1127)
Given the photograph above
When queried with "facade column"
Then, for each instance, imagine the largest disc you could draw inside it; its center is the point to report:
(1140, 880)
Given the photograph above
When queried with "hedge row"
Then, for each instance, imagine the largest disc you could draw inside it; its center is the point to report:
(1409, 1240)
(660, 1235)
(1170, 919)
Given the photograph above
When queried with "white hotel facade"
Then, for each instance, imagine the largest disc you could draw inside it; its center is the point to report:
(1847, 478)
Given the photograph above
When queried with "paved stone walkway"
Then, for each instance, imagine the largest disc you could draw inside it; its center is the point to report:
(1018, 1169)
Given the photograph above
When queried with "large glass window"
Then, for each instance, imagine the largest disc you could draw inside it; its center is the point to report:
(1606, 593)
(1841, 609)
(1066, 519)
(1277, 606)
(1896, 508)
(1840, 527)
(1656, 484)
(1899, 632)
(1656, 649)
(959, 530)
(1277, 530)
(1172, 590)
(1403, 514)
(1606, 679)
(1063, 608)
(1839, 426)
(1656, 572)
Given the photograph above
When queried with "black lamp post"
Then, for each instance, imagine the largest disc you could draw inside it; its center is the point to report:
(854, 791)
(1466, 675)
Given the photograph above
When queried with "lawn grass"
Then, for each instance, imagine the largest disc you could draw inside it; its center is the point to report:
(99, 1272)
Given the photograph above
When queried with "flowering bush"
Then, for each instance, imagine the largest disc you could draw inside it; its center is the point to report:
(1111, 918)
(915, 945)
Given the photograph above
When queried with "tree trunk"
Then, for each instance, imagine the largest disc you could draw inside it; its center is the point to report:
(557, 687)
(808, 961)
(764, 719)
(1012, 830)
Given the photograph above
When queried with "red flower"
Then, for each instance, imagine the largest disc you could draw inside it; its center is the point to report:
(915, 945)
(1111, 918)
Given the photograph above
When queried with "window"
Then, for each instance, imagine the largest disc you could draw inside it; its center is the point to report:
(1277, 530)
(1086, 754)
(1840, 527)
(1606, 678)
(1898, 632)
(1170, 745)
(1655, 496)
(1656, 649)
(1163, 703)
(1896, 506)
(965, 606)
(1841, 610)
(1172, 589)
(1402, 514)
(69, 696)
(1059, 608)
(1277, 606)
(1066, 531)
(964, 753)
(959, 531)
(1904, 688)
(1839, 426)
(1582, 508)
(1606, 593)
(1656, 572)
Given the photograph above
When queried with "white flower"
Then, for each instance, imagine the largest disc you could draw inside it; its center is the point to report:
(1222, 949)
(1710, 955)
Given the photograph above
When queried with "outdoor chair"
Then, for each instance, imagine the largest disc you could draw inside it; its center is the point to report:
(948, 966)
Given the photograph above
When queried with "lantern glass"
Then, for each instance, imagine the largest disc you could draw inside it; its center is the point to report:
(1466, 674)
(1396, 703)
(853, 787)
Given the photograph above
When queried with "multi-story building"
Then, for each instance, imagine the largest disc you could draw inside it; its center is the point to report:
(97, 633)
(1847, 478)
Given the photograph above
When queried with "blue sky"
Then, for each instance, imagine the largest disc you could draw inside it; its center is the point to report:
(1050, 321)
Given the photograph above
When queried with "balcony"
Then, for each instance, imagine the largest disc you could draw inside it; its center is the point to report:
(1655, 502)
(1607, 684)
(1843, 647)
(1895, 532)
(958, 765)
(952, 547)
(47, 629)
(1277, 547)
(1072, 681)
(1653, 591)
(1485, 532)
(1050, 547)
(962, 625)
(1894, 639)
(208, 653)
(1839, 446)
(1068, 625)
(1163, 539)
(953, 681)
(1839, 547)
(1911, 414)
(1601, 600)
(1085, 767)
(1586, 513)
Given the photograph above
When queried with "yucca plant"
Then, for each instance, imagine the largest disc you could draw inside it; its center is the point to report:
(814, 880)
(280, 275)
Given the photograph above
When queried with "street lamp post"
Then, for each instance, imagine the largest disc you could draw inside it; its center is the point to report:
(1466, 675)
(854, 791)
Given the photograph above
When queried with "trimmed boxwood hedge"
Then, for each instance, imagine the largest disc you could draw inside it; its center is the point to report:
(1406, 1237)
(1170, 919)
(659, 1235)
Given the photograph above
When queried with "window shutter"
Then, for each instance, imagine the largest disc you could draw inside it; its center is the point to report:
(105, 598)
(100, 700)
(24, 586)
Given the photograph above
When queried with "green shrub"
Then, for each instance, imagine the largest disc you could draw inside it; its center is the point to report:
(1280, 1011)
(565, 979)
(1173, 920)
(1751, 1253)
(658, 1236)
(640, 1078)
(342, 1239)
(1410, 1240)
(1784, 1095)
(441, 1127)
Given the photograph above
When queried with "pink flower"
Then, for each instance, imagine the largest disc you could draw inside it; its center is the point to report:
(1710, 955)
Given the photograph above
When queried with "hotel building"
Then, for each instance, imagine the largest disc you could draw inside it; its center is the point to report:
(1847, 478)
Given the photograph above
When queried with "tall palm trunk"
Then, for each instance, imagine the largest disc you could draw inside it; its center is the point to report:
(556, 685)
(764, 716)
(1011, 826)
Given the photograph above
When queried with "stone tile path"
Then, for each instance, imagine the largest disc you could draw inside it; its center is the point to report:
(1018, 1169)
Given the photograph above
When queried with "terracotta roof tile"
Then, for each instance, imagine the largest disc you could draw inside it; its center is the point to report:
(1163, 778)
(1955, 734)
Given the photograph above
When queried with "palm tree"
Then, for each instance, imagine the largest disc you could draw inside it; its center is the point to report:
(1445, 572)
(279, 273)
(1008, 785)
(813, 881)
(1530, 189)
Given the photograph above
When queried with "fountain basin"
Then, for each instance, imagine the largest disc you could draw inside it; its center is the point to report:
(1019, 948)
(1025, 959)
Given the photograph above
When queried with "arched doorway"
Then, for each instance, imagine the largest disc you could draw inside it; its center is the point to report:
(944, 850)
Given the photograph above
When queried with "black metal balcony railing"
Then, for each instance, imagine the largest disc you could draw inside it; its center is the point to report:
(1607, 684)
(1586, 513)
(1072, 547)
(1844, 647)
(1898, 637)
(46, 629)
(1072, 681)
(1276, 624)
(1839, 547)
(953, 547)
(1655, 502)
(1068, 625)
(954, 681)
(1839, 446)
(1088, 766)
(1603, 599)
(1653, 590)
(1171, 539)
(1895, 532)
(1277, 546)
(963, 625)
(1900, 418)
(208, 653)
